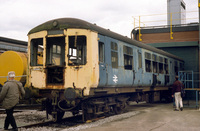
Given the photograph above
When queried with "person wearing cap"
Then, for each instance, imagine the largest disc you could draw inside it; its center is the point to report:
(176, 92)
(9, 97)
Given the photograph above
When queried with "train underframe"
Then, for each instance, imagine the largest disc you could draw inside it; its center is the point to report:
(98, 104)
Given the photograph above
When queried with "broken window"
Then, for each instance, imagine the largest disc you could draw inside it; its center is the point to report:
(161, 60)
(139, 59)
(114, 55)
(148, 62)
(77, 50)
(55, 51)
(155, 64)
(166, 67)
(101, 52)
(128, 58)
(36, 52)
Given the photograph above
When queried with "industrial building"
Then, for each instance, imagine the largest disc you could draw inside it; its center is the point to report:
(12, 44)
(180, 39)
(176, 10)
(184, 42)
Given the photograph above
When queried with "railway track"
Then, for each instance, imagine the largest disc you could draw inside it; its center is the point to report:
(75, 122)
(66, 122)
(22, 107)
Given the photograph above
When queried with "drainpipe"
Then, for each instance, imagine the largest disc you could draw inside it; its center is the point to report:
(199, 39)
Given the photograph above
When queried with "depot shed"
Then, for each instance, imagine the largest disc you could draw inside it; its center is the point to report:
(180, 40)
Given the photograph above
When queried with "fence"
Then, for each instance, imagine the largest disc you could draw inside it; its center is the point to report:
(21, 78)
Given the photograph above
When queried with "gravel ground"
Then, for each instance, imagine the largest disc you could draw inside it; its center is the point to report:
(31, 117)
(103, 121)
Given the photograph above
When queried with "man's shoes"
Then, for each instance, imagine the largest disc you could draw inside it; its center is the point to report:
(176, 110)
(181, 108)
(14, 129)
(5, 129)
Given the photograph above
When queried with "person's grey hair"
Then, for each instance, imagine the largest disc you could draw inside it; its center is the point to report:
(11, 74)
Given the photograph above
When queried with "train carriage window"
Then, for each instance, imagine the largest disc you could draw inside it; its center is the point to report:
(148, 62)
(166, 66)
(161, 61)
(101, 52)
(176, 67)
(36, 58)
(128, 58)
(114, 55)
(55, 51)
(77, 50)
(155, 64)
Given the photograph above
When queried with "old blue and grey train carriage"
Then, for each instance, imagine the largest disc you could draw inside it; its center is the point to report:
(84, 67)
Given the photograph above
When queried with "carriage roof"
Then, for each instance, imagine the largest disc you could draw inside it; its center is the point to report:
(66, 23)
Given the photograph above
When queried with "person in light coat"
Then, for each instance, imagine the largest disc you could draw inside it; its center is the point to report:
(9, 97)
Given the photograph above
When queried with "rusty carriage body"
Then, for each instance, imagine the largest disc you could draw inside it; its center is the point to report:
(93, 70)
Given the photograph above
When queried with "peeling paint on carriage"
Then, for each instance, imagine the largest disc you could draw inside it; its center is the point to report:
(95, 62)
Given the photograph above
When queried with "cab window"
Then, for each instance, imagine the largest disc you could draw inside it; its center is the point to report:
(77, 50)
(55, 51)
(36, 54)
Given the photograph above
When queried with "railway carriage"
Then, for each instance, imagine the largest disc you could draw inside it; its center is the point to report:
(94, 70)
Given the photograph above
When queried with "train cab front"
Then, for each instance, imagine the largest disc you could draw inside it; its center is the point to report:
(63, 65)
(47, 62)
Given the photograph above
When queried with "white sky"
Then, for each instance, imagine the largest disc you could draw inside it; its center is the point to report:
(17, 17)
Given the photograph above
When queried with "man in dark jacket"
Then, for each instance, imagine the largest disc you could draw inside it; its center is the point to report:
(176, 91)
(9, 97)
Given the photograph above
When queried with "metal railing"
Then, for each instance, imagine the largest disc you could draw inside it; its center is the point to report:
(191, 82)
(160, 19)
(3, 77)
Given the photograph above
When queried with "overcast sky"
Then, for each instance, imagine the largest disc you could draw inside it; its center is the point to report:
(17, 17)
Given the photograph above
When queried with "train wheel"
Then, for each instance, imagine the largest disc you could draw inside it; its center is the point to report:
(58, 116)
(119, 107)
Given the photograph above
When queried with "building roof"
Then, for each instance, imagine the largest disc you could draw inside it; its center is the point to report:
(166, 28)
(12, 44)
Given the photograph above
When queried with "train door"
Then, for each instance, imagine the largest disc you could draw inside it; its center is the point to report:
(139, 73)
(102, 64)
(172, 76)
(82, 69)
(55, 60)
(155, 69)
(166, 69)
(127, 74)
